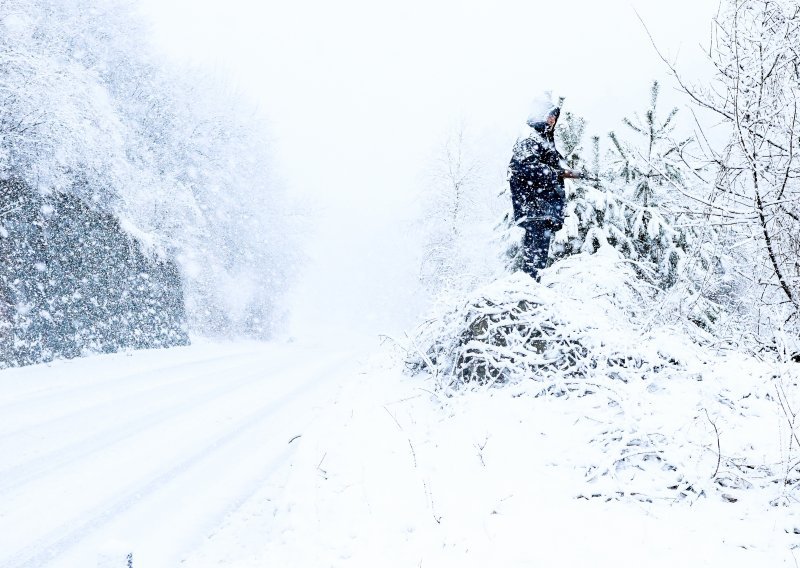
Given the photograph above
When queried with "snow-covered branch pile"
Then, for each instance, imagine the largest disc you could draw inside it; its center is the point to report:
(515, 329)
(654, 417)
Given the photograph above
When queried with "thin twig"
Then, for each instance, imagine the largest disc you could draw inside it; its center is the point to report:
(719, 449)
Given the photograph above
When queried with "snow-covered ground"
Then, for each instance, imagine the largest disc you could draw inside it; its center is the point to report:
(394, 475)
(192, 457)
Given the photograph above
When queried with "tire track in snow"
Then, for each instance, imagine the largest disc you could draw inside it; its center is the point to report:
(151, 373)
(59, 540)
(126, 397)
(27, 472)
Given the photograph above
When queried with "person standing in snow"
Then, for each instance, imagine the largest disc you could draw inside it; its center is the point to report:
(536, 176)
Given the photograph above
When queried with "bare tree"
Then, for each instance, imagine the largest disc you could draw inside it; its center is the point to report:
(755, 52)
(459, 212)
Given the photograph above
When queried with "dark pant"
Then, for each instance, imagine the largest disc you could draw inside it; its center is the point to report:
(535, 245)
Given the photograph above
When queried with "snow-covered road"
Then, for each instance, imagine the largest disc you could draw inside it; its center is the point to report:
(148, 453)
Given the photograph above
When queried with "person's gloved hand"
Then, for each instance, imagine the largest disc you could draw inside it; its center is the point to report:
(575, 174)
(556, 224)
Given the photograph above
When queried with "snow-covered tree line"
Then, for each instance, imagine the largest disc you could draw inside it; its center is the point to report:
(119, 172)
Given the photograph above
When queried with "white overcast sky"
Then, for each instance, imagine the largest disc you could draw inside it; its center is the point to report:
(358, 92)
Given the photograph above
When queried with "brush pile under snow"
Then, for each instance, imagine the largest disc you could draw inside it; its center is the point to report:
(660, 420)
(517, 329)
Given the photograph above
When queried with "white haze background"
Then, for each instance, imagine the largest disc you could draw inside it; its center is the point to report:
(361, 95)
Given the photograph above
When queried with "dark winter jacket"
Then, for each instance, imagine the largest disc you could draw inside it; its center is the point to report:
(535, 175)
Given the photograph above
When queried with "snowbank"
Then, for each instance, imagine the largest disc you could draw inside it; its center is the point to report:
(660, 416)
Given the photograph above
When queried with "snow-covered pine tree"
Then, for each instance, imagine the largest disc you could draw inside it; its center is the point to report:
(636, 208)
(643, 208)
(650, 172)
